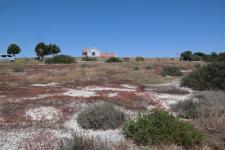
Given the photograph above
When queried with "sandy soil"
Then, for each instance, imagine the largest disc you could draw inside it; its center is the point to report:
(34, 115)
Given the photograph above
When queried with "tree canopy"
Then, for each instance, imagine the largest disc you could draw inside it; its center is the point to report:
(41, 49)
(53, 49)
(13, 49)
(186, 55)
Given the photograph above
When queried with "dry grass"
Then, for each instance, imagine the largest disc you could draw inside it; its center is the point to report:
(84, 142)
(208, 114)
(102, 72)
(93, 71)
(168, 90)
(96, 72)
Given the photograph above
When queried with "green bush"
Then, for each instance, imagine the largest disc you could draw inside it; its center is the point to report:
(140, 59)
(149, 67)
(221, 57)
(209, 77)
(171, 71)
(196, 58)
(18, 68)
(113, 60)
(136, 68)
(89, 59)
(159, 127)
(60, 59)
(101, 116)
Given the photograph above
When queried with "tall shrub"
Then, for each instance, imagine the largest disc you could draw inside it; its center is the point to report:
(209, 77)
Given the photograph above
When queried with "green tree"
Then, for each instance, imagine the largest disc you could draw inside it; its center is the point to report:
(200, 54)
(186, 55)
(196, 58)
(53, 49)
(41, 50)
(221, 57)
(214, 54)
(13, 49)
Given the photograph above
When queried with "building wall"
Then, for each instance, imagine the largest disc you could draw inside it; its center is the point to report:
(93, 52)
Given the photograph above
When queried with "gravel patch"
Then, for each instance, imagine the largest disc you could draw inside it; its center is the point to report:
(99, 88)
(79, 93)
(43, 113)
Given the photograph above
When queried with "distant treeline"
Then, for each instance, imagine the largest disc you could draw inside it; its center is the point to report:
(200, 56)
(41, 50)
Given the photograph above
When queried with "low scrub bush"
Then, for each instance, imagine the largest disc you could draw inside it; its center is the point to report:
(158, 127)
(18, 68)
(196, 58)
(140, 59)
(136, 68)
(209, 77)
(169, 90)
(89, 59)
(81, 141)
(101, 116)
(113, 60)
(186, 109)
(207, 113)
(149, 67)
(60, 59)
(171, 71)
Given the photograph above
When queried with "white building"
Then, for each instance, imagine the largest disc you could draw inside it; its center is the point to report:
(91, 52)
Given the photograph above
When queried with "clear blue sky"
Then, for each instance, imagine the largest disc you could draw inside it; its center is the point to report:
(153, 28)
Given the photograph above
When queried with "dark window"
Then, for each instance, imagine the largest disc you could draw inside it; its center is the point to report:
(4, 56)
(93, 53)
(9, 55)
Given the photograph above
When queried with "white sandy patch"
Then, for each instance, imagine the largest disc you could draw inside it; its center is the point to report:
(45, 85)
(79, 93)
(17, 139)
(43, 113)
(2, 96)
(113, 136)
(41, 96)
(169, 99)
(99, 88)
(186, 71)
(113, 94)
(1, 119)
(129, 86)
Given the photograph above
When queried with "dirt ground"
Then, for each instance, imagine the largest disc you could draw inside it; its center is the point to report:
(38, 103)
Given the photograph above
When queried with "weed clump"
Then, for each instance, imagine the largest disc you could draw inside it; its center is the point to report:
(209, 77)
(171, 71)
(89, 59)
(101, 116)
(60, 59)
(18, 68)
(113, 60)
(158, 127)
(136, 68)
(140, 59)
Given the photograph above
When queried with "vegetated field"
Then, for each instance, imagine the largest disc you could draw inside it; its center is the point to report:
(39, 103)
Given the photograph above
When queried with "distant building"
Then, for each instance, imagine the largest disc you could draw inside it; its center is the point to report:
(94, 52)
(91, 52)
